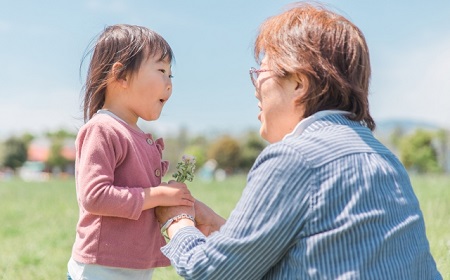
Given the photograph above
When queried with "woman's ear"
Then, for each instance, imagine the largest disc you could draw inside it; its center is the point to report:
(118, 75)
(301, 85)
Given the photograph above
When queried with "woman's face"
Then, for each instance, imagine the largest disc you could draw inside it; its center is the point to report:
(279, 113)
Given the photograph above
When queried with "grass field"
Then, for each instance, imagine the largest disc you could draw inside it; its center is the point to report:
(38, 223)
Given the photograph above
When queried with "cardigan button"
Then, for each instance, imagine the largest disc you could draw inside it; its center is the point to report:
(157, 172)
(149, 141)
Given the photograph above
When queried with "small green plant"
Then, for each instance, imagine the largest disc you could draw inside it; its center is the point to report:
(185, 169)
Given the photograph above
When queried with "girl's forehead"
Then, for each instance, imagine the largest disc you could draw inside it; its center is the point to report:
(158, 60)
(166, 60)
(156, 56)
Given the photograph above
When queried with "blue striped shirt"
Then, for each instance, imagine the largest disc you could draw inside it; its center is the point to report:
(327, 202)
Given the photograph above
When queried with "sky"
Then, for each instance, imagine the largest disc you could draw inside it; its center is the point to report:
(42, 44)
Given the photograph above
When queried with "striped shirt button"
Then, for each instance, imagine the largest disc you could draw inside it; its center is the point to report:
(149, 141)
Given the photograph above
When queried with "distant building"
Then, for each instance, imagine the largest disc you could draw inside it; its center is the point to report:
(36, 169)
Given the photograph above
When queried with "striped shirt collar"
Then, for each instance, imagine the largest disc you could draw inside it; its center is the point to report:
(303, 124)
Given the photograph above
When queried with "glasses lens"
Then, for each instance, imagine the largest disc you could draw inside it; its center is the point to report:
(253, 75)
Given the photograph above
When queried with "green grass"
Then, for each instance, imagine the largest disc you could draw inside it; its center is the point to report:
(38, 223)
(37, 228)
(433, 193)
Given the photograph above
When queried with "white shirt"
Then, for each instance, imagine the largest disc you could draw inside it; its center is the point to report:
(81, 271)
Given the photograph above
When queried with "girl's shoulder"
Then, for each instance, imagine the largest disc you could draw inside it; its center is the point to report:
(102, 121)
(101, 125)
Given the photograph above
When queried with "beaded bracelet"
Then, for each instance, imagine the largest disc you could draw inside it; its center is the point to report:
(175, 219)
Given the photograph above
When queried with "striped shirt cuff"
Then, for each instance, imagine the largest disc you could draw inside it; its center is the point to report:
(182, 242)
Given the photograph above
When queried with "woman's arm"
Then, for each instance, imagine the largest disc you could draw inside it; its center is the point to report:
(262, 228)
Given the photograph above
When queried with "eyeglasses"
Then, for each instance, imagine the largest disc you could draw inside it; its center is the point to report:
(254, 73)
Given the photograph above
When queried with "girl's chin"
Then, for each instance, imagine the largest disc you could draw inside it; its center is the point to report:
(152, 115)
(150, 118)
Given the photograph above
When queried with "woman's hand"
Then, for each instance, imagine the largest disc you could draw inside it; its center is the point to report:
(206, 219)
(164, 213)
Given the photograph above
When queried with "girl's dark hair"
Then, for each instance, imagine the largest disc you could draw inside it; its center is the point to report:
(129, 45)
(327, 49)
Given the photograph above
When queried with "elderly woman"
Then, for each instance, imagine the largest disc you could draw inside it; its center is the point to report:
(325, 200)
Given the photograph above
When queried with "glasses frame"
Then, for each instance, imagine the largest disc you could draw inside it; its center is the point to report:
(254, 74)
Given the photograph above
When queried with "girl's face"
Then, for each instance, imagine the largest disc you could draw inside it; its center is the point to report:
(279, 113)
(149, 88)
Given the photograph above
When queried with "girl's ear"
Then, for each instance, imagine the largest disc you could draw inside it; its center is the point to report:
(118, 76)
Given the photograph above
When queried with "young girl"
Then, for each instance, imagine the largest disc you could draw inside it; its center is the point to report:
(119, 167)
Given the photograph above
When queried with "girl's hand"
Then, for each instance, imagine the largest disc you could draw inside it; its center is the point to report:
(168, 194)
(174, 194)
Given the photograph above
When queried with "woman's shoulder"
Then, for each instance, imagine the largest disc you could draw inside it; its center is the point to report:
(283, 154)
(302, 151)
(290, 147)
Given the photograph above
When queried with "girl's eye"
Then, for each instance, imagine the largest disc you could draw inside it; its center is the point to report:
(164, 72)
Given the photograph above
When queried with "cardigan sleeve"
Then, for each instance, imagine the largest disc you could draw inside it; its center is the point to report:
(99, 150)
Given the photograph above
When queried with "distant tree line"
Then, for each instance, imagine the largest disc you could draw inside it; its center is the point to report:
(420, 151)
(231, 153)
(14, 150)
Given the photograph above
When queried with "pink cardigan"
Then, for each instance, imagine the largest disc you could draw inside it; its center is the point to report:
(114, 163)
